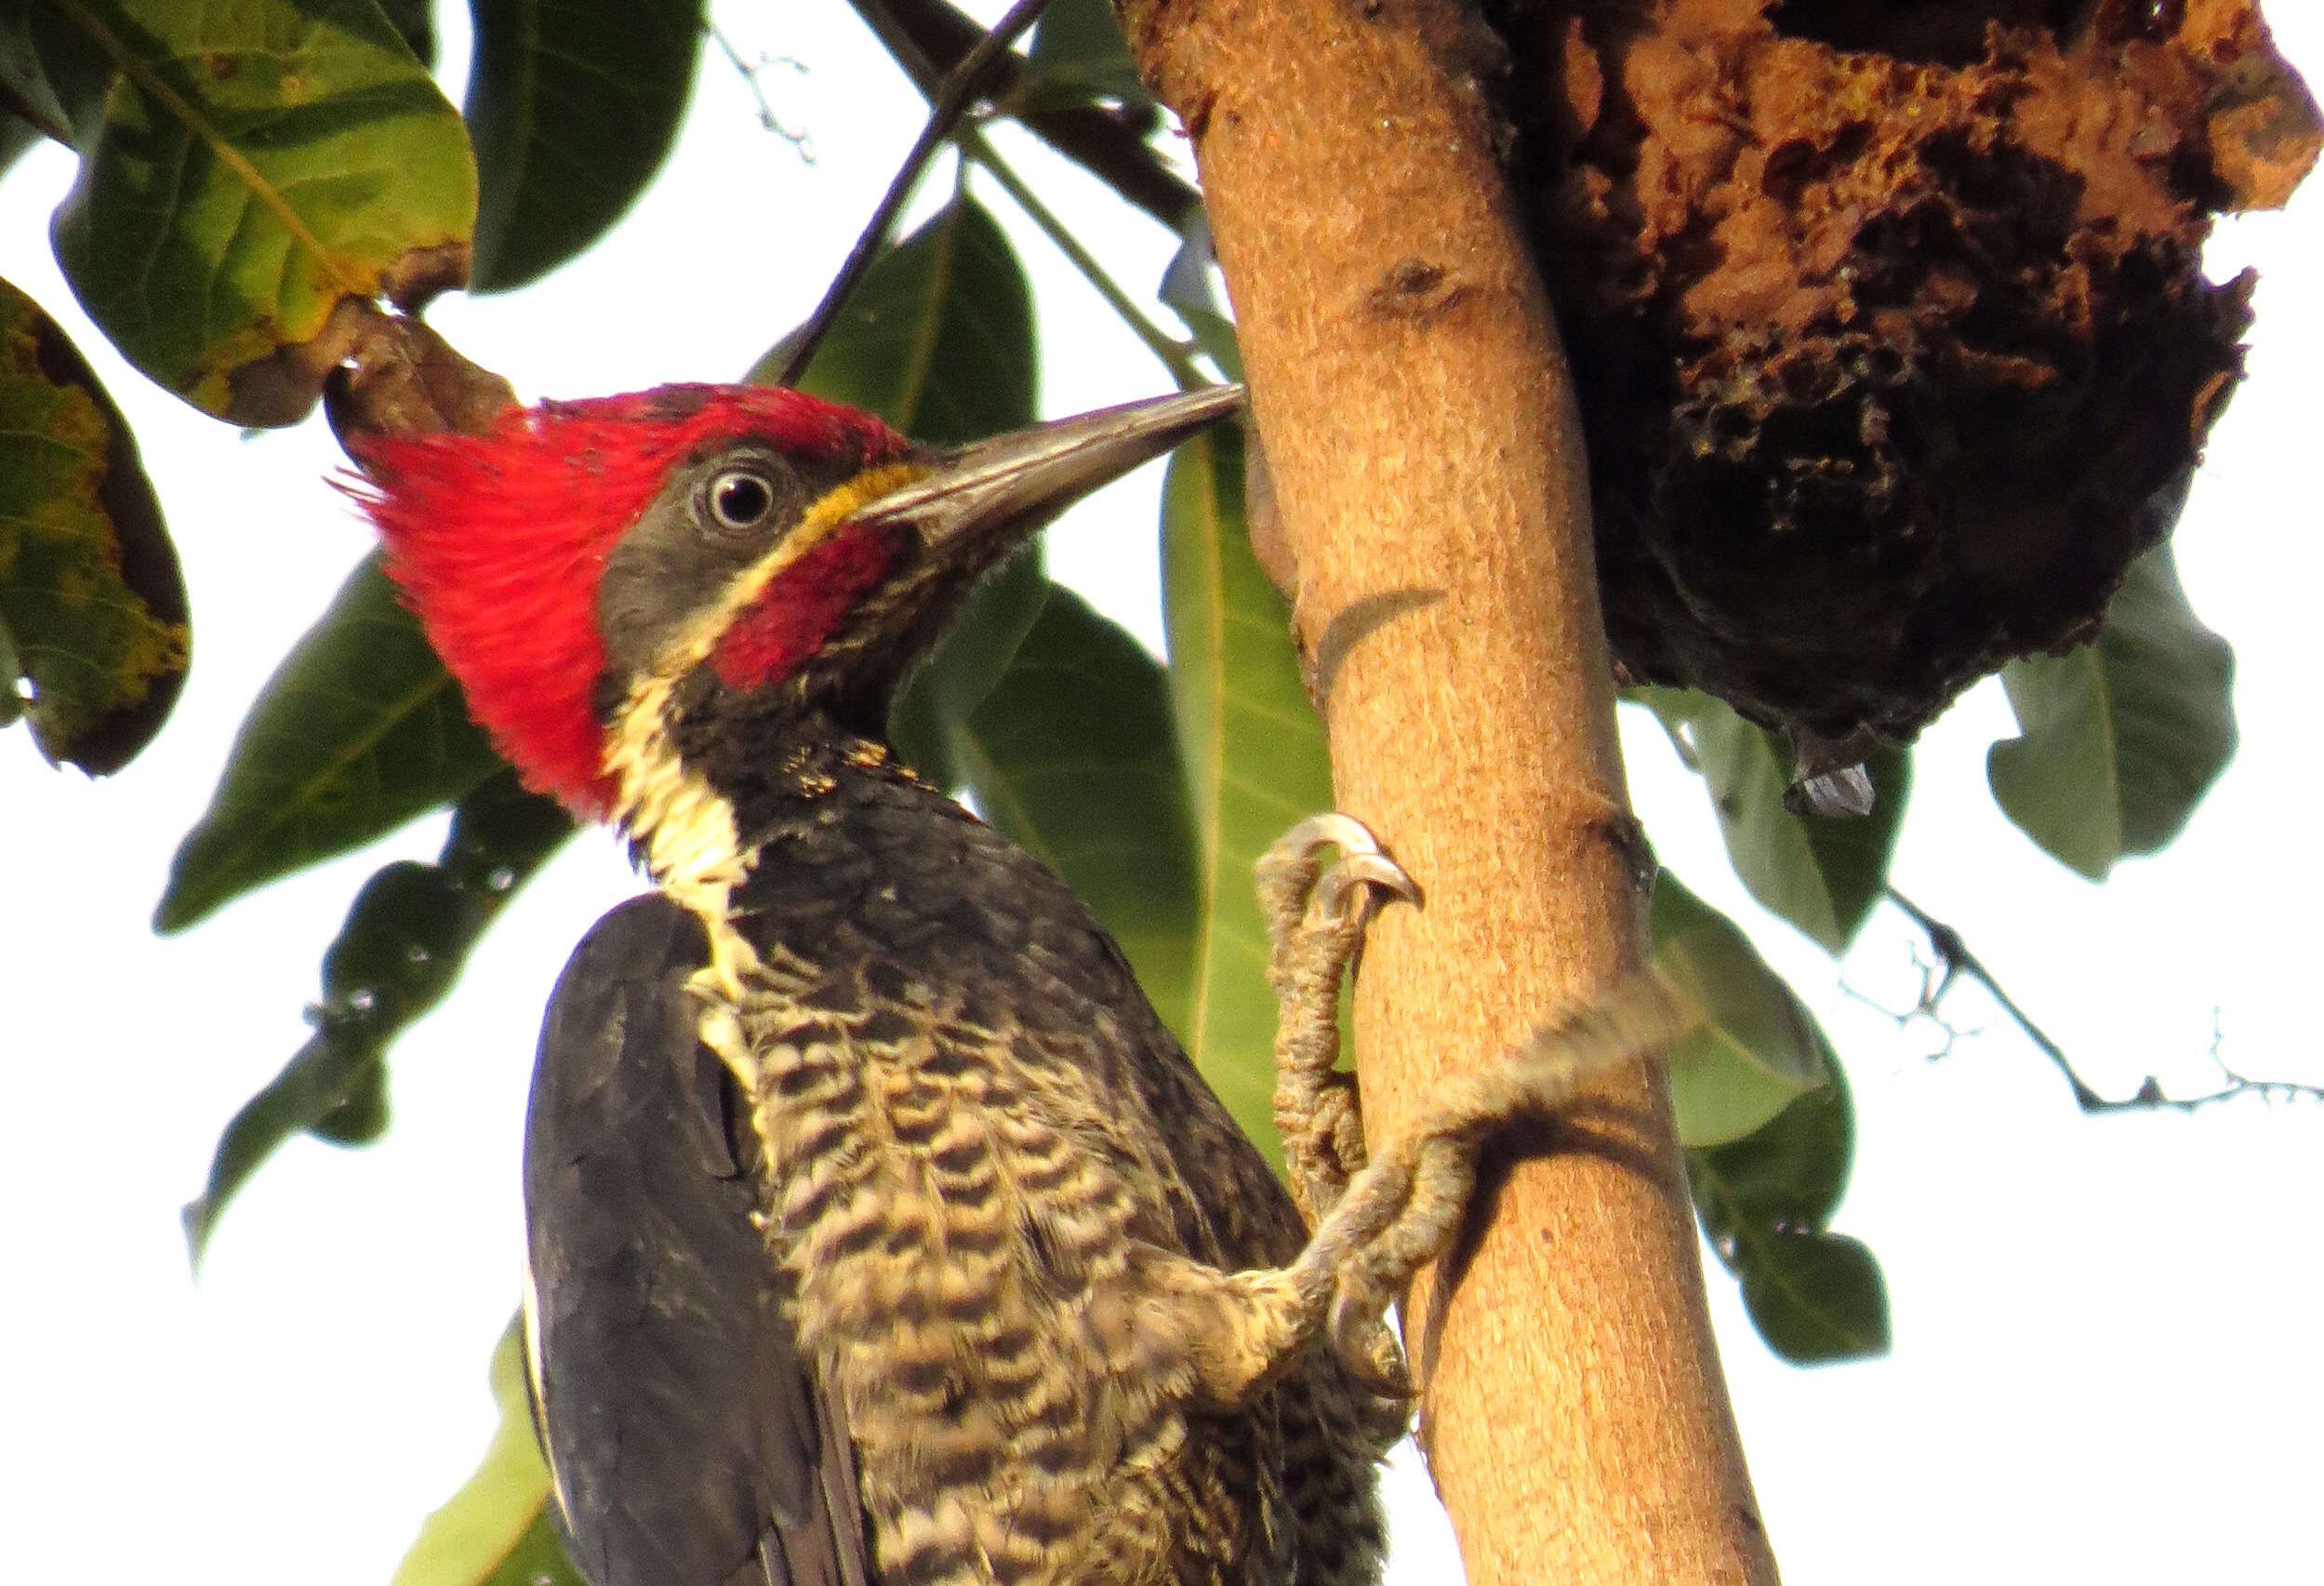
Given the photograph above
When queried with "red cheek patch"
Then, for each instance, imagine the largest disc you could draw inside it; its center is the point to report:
(801, 607)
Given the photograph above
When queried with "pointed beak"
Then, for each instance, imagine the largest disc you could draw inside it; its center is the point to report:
(1027, 477)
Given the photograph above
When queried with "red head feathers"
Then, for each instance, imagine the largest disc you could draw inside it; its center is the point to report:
(497, 542)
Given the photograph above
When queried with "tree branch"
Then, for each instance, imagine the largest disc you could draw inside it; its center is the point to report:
(967, 81)
(1954, 960)
(928, 38)
(1426, 457)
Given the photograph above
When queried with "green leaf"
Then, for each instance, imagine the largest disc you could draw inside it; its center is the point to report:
(1794, 1170)
(1823, 875)
(26, 93)
(358, 731)
(1765, 1202)
(1072, 757)
(245, 169)
(92, 607)
(539, 1558)
(17, 138)
(1816, 1297)
(11, 704)
(496, 1530)
(939, 338)
(2123, 738)
(1078, 54)
(415, 24)
(362, 1116)
(1187, 288)
(1255, 759)
(573, 106)
(1759, 1049)
(401, 950)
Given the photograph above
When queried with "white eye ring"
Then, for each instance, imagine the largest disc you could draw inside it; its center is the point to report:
(739, 499)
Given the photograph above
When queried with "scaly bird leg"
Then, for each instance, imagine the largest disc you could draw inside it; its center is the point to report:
(1400, 1213)
(1316, 921)
(1376, 1222)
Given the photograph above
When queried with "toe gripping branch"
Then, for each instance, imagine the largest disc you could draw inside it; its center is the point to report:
(1221, 1336)
(1376, 1222)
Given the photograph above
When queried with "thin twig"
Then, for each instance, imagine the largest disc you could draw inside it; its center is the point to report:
(961, 89)
(802, 142)
(1956, 959)
(1175, 355)
(926, 36)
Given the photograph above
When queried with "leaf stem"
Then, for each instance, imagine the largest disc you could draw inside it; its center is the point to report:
(1175, 355)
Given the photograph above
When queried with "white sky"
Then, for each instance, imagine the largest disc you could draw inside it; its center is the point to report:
(2105, 1328)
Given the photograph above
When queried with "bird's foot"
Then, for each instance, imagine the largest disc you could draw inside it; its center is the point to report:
(1401, 1211)
(1316, 918)
(1374, 1222)
(1229, 1335)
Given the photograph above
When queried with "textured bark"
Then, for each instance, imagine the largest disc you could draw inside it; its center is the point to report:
(1424, 443)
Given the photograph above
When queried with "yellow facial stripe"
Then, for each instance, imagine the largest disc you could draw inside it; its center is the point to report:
(696, 638)
(688, 830)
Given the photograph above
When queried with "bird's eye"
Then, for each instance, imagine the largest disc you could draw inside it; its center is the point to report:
(740, 499)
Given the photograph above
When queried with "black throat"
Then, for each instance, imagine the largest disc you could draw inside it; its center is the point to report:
(788, 770)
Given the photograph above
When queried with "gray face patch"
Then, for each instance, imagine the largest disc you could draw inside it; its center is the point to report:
(717, 514)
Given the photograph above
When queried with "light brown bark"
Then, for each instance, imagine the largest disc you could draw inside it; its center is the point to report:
(1414, 408)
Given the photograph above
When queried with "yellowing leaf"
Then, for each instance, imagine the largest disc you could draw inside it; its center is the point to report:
(495, 1528)
(245, 169)
(92, 610)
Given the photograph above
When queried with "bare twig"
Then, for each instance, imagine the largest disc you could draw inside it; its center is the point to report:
(961, 87)
(800, 139)
(1933, 981)
(928, 37)
(1955, 959)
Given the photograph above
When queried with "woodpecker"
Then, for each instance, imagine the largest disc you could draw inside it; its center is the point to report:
(878, 1232)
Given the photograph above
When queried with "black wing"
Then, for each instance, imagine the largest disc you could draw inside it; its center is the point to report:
(689, 1445)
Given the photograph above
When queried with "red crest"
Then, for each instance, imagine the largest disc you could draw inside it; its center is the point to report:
(497, 542)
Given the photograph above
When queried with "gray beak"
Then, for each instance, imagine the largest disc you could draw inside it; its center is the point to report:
(1026, 476)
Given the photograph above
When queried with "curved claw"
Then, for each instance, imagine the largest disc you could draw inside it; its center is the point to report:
(1329, 829)
(1356, 884)
(1367, 1350)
